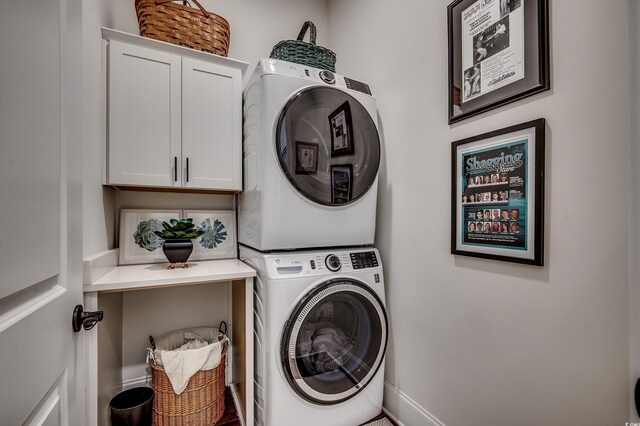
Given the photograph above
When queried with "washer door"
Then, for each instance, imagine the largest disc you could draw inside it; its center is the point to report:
(328, 146)
(334, 342)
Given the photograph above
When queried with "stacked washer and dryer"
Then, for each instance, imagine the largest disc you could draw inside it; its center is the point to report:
(306, 223)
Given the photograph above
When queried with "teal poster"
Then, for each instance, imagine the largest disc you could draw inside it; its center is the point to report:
(494, 196)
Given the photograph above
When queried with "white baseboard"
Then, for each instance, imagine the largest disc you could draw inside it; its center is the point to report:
(135, 382)
(404, 410)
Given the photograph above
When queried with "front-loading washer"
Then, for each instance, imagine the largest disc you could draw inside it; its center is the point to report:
(311, 159)
(320, 336)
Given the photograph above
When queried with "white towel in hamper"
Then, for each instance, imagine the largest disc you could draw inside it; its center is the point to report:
(181, 363)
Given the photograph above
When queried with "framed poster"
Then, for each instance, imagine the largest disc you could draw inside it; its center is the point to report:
(138, 243)
(341, 127)
(219, 238)
(498, 53)
(499, 217)
(306, 158)
(341, 183)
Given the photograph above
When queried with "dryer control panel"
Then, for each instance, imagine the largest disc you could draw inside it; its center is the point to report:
(275, 66)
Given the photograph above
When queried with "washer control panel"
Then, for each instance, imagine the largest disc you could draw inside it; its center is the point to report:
(364, 259)
(285, 265)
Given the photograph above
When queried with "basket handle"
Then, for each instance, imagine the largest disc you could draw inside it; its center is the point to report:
(202, 9)
(305, 27)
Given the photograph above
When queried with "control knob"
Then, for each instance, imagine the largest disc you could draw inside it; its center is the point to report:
(333, 263)
(328, 77)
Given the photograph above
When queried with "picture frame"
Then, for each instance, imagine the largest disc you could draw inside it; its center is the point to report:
(138, 243)
(306, 158)
(219, 238)
(341, 183)
(341, 129)
(498, 54)
(517, 155)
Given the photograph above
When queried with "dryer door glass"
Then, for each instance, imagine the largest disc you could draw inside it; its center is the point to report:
(328, 146)
(334, 342)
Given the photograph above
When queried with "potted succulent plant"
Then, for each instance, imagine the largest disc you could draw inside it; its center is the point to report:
(177, 236)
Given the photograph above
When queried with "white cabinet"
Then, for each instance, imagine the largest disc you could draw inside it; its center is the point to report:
(144, 116)
(174, 116)
(211, 125)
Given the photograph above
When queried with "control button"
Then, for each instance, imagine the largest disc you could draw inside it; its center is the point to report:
(328, 77)
(333, 263)
(313, 264)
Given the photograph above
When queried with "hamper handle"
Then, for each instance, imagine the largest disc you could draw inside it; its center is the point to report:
(202, 9)
(305, 27)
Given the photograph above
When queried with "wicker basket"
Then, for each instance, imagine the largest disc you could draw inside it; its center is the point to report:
(202, 402)
(183, 25)
(305, 53)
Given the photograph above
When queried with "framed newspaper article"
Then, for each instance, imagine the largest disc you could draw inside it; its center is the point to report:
(498, 53)
(497, 194)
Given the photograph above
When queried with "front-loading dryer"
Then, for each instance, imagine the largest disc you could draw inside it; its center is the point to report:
(311, 159)
(320, 335)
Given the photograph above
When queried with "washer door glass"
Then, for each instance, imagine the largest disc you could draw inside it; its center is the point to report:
(334, 342)
(328, 146)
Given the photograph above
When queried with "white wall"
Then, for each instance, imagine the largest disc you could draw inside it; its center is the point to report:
(98, 209)
(480, 342)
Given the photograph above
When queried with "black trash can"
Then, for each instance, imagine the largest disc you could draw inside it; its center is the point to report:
(132, 407)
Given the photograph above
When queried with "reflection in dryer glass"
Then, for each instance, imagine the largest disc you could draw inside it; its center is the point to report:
(346, 137)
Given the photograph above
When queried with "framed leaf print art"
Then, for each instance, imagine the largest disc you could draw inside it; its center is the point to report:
(138, 243)
(219, 238)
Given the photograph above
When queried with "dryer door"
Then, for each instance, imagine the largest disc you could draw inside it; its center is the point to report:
(328, 146)
(334, 341)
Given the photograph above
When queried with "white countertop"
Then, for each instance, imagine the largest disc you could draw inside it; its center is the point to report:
(137, 277)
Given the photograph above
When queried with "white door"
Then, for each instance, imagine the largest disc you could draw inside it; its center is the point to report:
(211, 125)
(41, 358)
(144, 116)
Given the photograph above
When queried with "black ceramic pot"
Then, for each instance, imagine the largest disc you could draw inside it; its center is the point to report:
(178, 250)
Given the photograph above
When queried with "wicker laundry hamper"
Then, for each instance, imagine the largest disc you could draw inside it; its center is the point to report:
(304, 53)
(184, 25)
(202, 402)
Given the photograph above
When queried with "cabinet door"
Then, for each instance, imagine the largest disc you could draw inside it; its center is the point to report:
(211, 126)
(144, 116)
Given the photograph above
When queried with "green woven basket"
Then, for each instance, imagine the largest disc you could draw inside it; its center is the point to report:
(301, 52)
